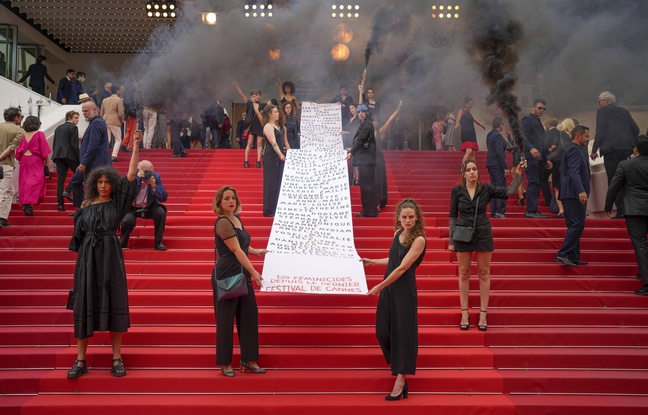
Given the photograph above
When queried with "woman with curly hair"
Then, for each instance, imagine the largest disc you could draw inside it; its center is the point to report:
(273, 158)
(396, 315)
(287, 94)
(100, 293)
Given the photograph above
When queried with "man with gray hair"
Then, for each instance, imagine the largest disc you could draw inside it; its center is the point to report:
(616, 132)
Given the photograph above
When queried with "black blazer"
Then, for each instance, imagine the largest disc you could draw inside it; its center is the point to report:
(574, 173)
(364, 137)
(615, 130)
(534, 134)
(66, 142)
(64, 90)
(37, 74)
(632, 177)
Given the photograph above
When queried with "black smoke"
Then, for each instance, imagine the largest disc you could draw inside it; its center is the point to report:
(493, 48)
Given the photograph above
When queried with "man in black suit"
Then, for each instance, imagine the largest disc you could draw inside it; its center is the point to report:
(574, 191)
(66, 154)
(631, 177)
(64, 91)
(496, 164)
(616, 132)
(37, 74)
(364, 157)
(534, 135)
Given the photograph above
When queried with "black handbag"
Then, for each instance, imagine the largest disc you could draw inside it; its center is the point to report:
(231, 287)
(463, 233)
(70, 300)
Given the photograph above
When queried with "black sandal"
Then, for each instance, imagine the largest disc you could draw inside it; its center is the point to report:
(77, 371)
(467, 325)
(482, 327)
(118, 370)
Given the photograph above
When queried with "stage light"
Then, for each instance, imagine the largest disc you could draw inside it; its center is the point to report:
(263, 8)
(209, 18)
(345, 10)
(161, 9)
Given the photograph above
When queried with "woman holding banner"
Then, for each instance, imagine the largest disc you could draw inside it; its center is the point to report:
(396, 315)
(273, 158)
(232, 248)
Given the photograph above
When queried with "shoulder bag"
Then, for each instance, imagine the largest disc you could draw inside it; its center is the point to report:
(463, 233)
(231, 287)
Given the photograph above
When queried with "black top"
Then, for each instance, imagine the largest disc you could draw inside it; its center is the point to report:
(364, 145)
(462, 211)
(227, 264)
(467, 123)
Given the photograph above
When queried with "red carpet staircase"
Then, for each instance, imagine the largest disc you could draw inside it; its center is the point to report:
(560, 340)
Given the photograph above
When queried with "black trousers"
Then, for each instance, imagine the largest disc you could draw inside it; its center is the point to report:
(611, 162)
(637, 229)
(244, 310)
(497, 180)
(272, 175)
(575, 213)
(544, 185)
(368, 192)
(62, 166)
(155, 212)
(76, 184)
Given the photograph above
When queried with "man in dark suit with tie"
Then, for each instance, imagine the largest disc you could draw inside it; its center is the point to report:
(534, 135)
(66, 154)
(616, 133)
(95, 150)
(64, 91)
(632, 177)
(574, 191)
(496, 164)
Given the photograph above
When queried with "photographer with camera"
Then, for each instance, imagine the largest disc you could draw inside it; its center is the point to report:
(147, 205)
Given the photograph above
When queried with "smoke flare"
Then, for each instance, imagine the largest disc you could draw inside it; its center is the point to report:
(492, 47)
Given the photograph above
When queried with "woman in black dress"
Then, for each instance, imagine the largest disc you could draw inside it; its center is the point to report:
(396, 315)
(291, 122)
(462, 212)
(466, 122)
(100, 293)
(273, 158)
(232, 248)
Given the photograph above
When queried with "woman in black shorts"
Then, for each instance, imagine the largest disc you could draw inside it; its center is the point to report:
(463, 199)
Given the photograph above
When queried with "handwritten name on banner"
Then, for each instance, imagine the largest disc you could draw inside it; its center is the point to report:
(311, 243)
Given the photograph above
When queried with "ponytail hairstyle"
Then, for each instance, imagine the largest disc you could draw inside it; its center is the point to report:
(419, 227)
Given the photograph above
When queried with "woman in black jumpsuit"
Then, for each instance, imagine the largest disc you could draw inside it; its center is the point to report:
(232, 248)
(273, 159)
(396, 315)
(462, 205)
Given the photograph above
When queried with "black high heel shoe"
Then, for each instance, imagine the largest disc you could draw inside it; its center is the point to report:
(246, 366)
(467, 325)
(77, 371)
(482, 327)
(403, 393)
(229, 374)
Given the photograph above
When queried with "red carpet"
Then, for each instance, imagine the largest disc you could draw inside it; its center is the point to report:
(560, 341)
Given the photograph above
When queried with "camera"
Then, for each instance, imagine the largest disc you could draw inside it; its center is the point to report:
(147, 174)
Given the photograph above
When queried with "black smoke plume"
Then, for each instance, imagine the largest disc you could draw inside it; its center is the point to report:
(492, 47)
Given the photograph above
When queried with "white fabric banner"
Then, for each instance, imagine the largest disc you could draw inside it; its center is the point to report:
(311, 247)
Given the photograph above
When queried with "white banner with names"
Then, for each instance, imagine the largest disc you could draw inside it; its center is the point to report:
(311, 247)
